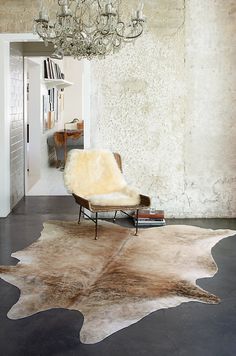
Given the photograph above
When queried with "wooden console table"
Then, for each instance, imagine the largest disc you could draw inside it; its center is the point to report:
(61, 137)
(70, 134)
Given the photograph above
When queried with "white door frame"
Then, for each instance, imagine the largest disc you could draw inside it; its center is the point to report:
(5, 40)
(34, 67)
(4, 129)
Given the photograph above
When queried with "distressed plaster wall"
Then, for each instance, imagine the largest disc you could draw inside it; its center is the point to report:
(17, 15)
(210, 142)
(139, 106)
(167, 104)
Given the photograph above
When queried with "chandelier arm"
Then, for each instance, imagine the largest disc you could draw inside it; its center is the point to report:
(100, 40)
(78, 22)
(99, 4)
(99, 18)
(75, 17)
(69, 2)
(46, 37)
(130, 36)
(105, 32)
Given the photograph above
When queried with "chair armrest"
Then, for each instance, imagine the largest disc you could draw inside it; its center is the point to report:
(145, 200)
(81, 201)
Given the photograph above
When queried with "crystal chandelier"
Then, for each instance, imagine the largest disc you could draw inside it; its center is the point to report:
(88, 28)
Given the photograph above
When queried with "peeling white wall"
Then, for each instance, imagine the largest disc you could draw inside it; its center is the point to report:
(167, 104)
(210, 119)
(138, 105)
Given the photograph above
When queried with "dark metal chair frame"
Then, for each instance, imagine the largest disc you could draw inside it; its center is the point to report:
(86, 204)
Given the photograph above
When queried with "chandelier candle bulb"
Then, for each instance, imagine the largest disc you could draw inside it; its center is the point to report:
(141, 6)
(140, 11)
(43, 16)
(139, 14)
(108, 8)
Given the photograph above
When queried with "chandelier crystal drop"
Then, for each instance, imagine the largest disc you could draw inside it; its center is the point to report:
(88, 28)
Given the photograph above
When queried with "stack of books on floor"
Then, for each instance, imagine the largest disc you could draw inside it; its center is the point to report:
(150, 217)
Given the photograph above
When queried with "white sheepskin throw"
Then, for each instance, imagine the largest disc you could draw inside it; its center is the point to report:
(95, 175)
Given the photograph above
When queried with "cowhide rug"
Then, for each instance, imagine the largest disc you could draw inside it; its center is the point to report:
(116, 280)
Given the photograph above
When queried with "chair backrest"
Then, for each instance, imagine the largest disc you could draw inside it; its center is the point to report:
(92, 172)
(118, 160)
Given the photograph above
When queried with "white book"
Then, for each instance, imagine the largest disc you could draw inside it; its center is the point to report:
(152, 223)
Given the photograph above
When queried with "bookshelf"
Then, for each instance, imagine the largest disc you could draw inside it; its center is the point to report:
(58, 83)
(54, 84)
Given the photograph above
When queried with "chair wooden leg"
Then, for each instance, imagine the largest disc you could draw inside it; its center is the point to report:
(96, 227)
(136, 223)
(114, 219)
(80, 211)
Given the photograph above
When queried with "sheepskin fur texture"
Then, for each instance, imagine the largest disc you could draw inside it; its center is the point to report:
(114, 281)
(95, 175)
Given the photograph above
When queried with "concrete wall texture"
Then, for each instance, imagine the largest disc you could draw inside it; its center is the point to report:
(167, 104)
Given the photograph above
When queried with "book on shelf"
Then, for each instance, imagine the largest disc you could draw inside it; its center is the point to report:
(52, 70)
(50, 75)
(51, 120)
(46, 70)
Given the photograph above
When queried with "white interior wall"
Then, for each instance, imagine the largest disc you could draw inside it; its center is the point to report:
(4, 128)
(86, 102)
(77, 97)
(38, 150)
(34, 69)
(73, 70)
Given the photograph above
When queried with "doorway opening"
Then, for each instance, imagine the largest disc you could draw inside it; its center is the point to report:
(45, 109)
(54, 121)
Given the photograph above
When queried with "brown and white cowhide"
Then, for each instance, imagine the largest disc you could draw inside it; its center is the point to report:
(116, 280)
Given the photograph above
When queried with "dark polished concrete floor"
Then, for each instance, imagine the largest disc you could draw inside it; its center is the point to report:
(191, 329)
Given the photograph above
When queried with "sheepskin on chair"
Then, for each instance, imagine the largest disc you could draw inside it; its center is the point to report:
(95, 176)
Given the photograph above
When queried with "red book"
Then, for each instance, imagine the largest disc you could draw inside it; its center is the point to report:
(150, 214)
